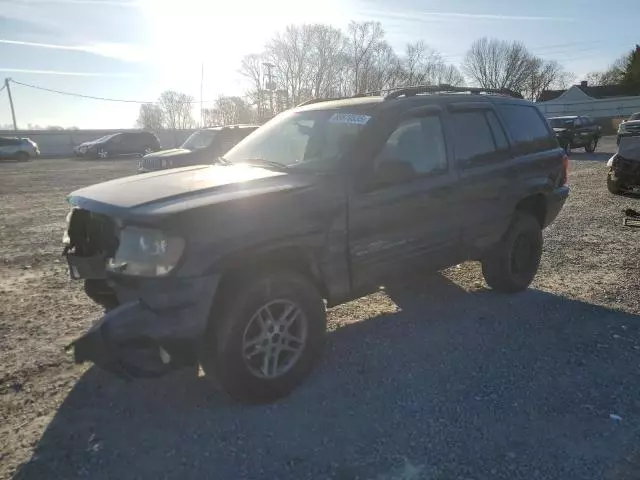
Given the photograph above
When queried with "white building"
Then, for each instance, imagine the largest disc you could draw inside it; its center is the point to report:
(603, 102)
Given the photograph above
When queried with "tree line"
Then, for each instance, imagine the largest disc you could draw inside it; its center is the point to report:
(304, 62)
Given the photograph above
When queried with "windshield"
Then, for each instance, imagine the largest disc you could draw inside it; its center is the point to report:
(635, 116)
(561, 122)
(295, 138)
(200, 139)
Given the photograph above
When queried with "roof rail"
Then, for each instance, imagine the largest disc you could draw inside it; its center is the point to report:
(411, 91)
(316, 100)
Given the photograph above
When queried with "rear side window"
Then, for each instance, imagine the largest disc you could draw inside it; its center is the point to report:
(474, 139)
(528, 129)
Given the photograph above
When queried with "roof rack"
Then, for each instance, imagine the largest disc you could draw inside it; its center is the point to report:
(433, 89)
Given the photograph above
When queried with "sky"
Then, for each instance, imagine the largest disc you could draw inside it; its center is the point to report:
(135, 49)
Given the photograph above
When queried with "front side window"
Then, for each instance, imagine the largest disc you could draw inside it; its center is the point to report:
(314, 139)
(200, 139)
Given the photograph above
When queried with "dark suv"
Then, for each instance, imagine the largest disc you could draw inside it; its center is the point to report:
(576, 132)
(118, 144)
(202, 147)
(230, 265)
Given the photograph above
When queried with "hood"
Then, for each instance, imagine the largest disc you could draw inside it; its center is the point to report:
(631, 123)
(171, 191)
(173, 152)
(91, 142)
(629, 148)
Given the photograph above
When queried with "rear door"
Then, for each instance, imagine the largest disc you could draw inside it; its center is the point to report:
(404, 217)
(483, 157)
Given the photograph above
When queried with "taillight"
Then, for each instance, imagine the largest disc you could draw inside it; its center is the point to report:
(564, 179)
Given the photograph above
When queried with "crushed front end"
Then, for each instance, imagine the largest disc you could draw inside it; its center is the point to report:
(153, 317)
(624, 166)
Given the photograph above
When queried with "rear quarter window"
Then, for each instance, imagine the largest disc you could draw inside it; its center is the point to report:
(528, 129)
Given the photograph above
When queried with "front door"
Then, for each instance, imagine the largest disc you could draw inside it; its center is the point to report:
(404, 218)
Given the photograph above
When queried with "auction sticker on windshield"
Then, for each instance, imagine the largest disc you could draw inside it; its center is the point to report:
(349, 118)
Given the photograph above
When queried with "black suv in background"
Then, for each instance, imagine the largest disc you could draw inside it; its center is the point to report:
(118, 144)
(576, 132)
(230, 264)
(202, 147)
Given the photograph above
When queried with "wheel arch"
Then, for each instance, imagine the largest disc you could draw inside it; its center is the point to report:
(536, 205)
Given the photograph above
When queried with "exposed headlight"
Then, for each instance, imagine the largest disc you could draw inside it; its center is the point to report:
(146, 252)
(622, 128)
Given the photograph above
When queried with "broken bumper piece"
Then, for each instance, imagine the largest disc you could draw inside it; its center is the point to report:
(141, 340)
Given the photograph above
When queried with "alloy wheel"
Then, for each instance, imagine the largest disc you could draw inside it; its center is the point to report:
(274, 339)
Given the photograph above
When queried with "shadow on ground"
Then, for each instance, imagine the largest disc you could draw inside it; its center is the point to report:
(455, 385)
(592, 157)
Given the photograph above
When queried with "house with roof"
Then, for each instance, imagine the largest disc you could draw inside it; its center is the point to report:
(606, 102)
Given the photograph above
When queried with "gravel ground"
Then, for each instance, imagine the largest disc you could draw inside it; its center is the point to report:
(439, 378)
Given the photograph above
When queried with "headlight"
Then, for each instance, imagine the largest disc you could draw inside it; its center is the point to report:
(146, 252)
(622, 128)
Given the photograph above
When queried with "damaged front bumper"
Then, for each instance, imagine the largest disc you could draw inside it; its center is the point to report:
(155, 328)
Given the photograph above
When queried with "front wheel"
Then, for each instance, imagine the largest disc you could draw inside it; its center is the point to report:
(267, 337)
(614, 185)
(590, 147)
(102, 153)
(513, 262)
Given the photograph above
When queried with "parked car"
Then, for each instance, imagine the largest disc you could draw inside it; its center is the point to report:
(21, 149)
(229, 264)
(630, 127)
(576, 132)
(202, 147)
(624, 167)
(118, 144)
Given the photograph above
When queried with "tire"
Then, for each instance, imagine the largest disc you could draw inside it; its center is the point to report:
(591, 146)
(102, 153)
(614, 186)
(22, 157)
(511, 265)
(238, 328)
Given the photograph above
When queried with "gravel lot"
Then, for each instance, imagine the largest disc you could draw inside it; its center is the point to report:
(439, 378)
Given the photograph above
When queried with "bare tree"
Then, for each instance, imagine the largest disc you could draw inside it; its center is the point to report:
(251, 68)
(498, 64)
(177, 110)
(444, 74)
(544, 75)
(363, 39)
(290, 52)
(150, 117)
(611, 76)
(327, 59)
(232, 110)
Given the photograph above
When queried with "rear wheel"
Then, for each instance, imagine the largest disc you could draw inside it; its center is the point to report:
(513, 262)
(268, 336)
(614, 186)
(590, 147)
(22, 156)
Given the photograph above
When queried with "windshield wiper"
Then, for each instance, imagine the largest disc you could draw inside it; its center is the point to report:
(257, 162)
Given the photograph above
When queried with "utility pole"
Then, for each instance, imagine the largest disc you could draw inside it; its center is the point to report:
(270, 85)
(13, 112)
(201, 110)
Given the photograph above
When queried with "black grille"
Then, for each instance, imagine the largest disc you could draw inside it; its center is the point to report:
(153, 163)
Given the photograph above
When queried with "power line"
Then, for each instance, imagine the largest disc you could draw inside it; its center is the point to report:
(71, 94)
(79, 94)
